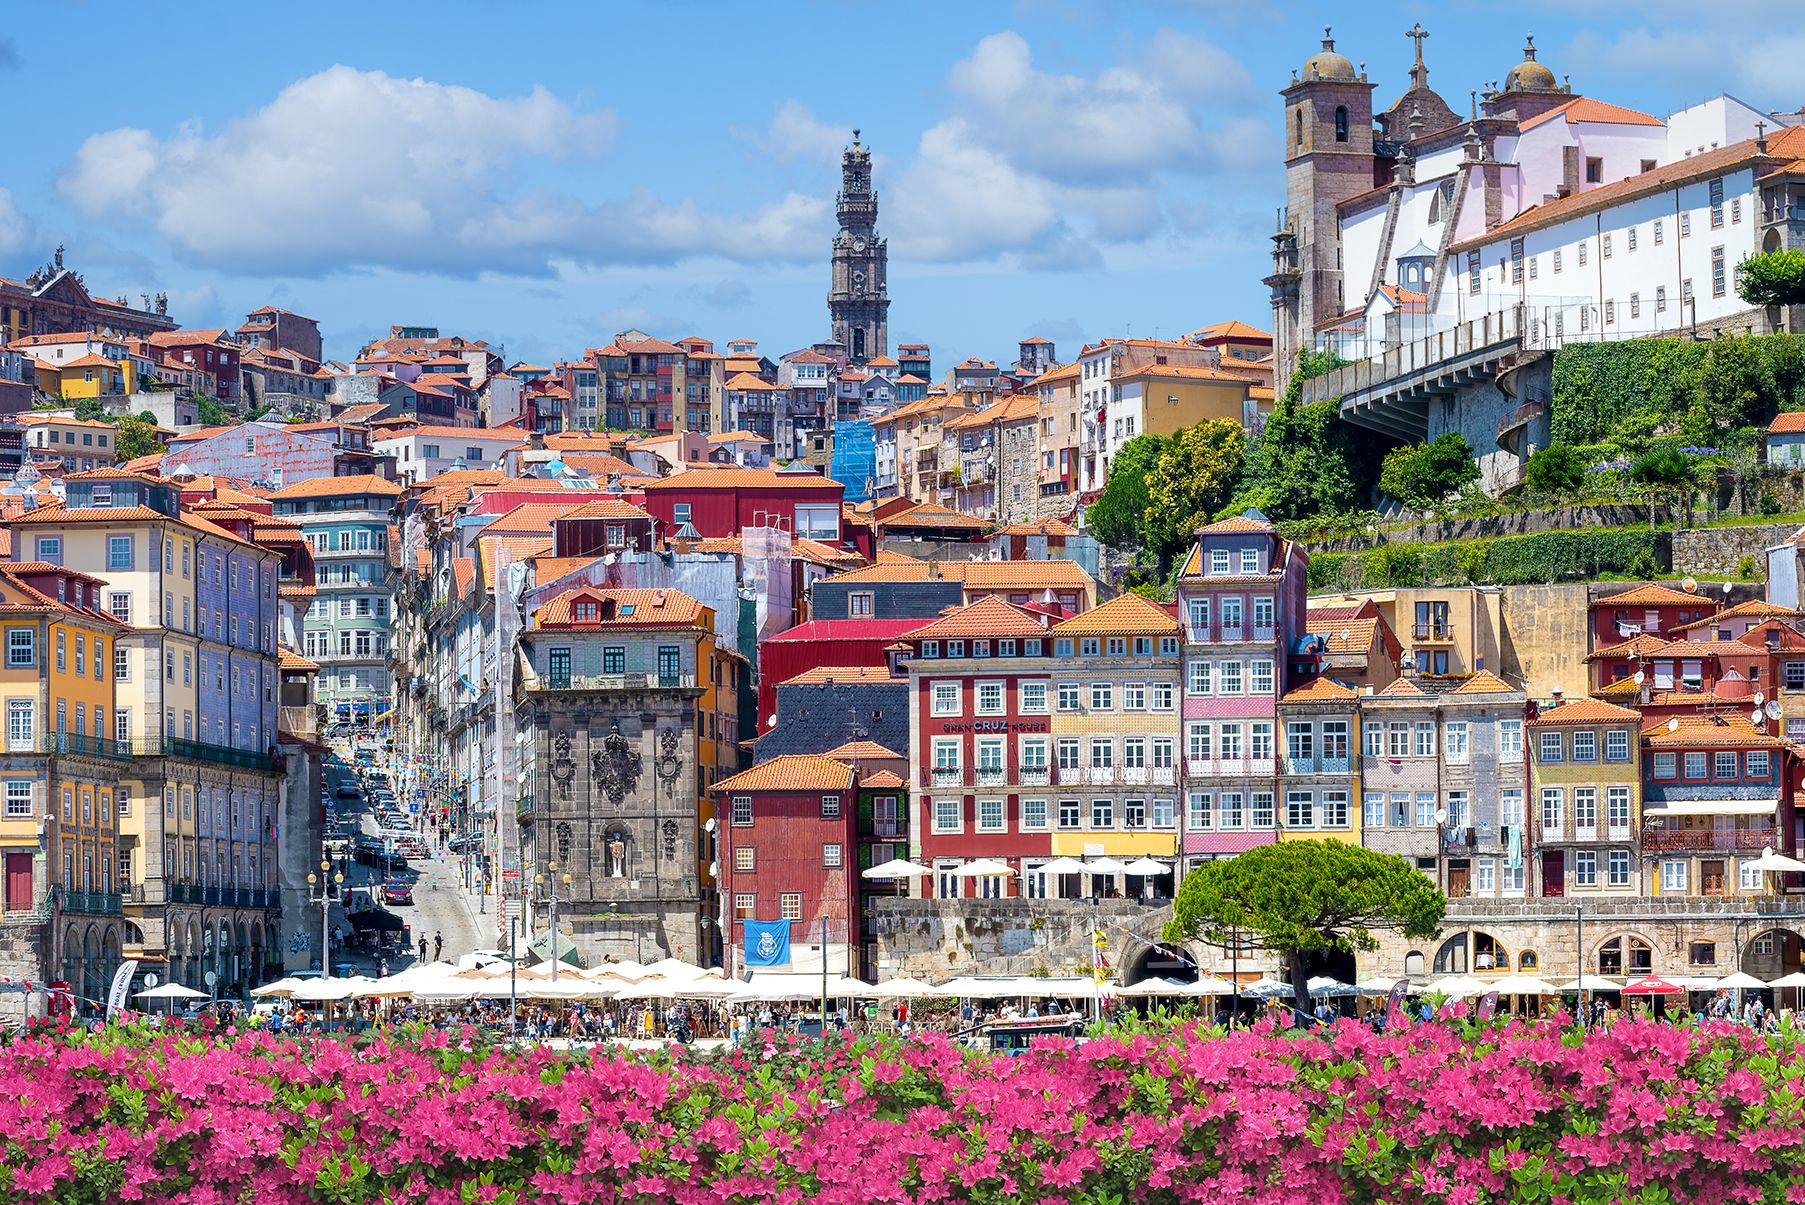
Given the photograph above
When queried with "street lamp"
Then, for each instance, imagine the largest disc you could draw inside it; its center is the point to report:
(550, 882)
(325, 880)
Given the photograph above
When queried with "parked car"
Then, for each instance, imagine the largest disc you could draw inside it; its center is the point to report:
(397, 892)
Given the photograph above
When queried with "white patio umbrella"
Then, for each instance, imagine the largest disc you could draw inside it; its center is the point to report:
(321, 990)
(1327, 985)
(675, 969)
(281, 987)
(985, 868)
(565, 989)
(170, 991)
(1524, 985)
(896, 868)
(1154, 987)
(1107, 866)
(905, 988)
(1592, 983)
(1147, 866)
(1774, 860)
(1265, 986)
(1796, 979)
(1208, 985)
(1741, 981)
(1460, 985)
(1061, 865)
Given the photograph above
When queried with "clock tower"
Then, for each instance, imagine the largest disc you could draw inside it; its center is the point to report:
(858, 303)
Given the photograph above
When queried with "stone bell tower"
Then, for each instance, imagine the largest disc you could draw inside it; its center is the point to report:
(858, 302)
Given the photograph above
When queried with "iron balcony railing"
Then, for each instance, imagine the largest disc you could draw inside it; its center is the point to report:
(86, 746)
(95, 903)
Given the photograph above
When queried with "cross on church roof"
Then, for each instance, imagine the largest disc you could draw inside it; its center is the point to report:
(1417, 33)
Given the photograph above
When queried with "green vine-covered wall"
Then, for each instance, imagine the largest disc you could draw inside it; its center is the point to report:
(1548, 556)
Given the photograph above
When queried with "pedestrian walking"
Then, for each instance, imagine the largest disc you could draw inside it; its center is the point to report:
(438, 946)
(422, 949)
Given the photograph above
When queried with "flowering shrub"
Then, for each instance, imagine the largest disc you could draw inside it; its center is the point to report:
(1437, 1113)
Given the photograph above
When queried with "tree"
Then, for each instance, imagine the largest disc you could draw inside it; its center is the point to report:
(1306, 461)
(1664, 471)
(1423, 475)
(1557, 471)
(135, 438)
(1300, 898)
(1773, 278)
(212, 414)
(1118, 515)
(1192, 477)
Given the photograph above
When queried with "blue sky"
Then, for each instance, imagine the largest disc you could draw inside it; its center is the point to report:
(542, 173)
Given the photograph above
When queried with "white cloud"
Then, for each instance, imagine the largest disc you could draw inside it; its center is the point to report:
(795, 133)
(1752, 58)
(350, 168)
(960, 200)
(17, 232)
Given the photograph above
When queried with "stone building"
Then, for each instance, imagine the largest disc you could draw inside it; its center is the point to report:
(627, 704)
(858, 302)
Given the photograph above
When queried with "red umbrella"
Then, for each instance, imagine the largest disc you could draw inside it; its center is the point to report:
(1652, 985)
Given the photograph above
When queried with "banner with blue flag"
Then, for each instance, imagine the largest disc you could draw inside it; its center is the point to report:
(767, 943)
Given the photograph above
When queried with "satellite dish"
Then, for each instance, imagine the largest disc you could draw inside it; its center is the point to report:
(1639, 678)
(1755, 716)
(772, 723)
(1441, 815)
(1345, 633)
(1673, 725)
(1689, 585)
(1760, 697)
(1773, 709)
(1726, 588)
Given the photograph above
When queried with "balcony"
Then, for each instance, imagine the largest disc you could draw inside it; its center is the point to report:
(1230, 633)
(612, 682)
(1035, 776)
(185, 893)
(83, 746)
(946, 776)
(1318, 765)
(990, 776)
(169, 746)
(1709, 840)
(93, 903)
(1100, 776)
(1436, 633)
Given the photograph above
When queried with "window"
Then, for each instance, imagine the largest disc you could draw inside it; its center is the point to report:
(1372, 809)
(1034, 814)
(1632, 238)
(1749, 876)
(21, 723)
(1725, 765)
(1617, 811)
(1594, 170)
(21, 647)
(1758, 765)
(830, 855)
(119, 552)
(1617, 868)
(1585, 869)
(1455, 742)
(1198, 677)
(1219, 561)
(680, 513)
(744, 858)
(1666, 765)
(1162, 696)
(742, 810)
(1103, 753)
(1341, 130)
(1103, 813)
(1557, 259)
(1610, 305)
(1425, 738)
(1032, 698)
(990, 698)
(1585, 812)
(1717, 272)
(1617, 745)
(1549, 749)
(947, 816)
(1231, 815)
(830, 807)
(1472, 271)
(1585, 746)
(1696, 765)
(1134, 696)
(1717, 203)
(1635, 305)
(946, 698)
(1102, 696)
(1673, 875)
(1069, 814)
(790, 905)
(1485, 876)
(1069, 699)
(1554, 818)
(1230, 678)
(1582, 262)
(1300, 809)
(1260, 677)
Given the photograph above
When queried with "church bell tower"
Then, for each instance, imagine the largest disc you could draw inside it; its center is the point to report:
(858, 302)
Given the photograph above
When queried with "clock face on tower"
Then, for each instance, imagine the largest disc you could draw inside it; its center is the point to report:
(858, 244)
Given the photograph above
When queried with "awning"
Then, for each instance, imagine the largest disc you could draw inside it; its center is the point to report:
(376, 920)
(1713, 807)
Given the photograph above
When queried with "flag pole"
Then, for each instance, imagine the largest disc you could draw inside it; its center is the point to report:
(824, 978)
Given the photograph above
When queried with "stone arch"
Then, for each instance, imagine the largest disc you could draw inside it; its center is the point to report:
(1471, 950)
(1770, 241)
(617, 849)
(1528, 962)
(1772, 952)
(195, 953)
(90, 964)
(1625, 953)
(70, 970)
(1415, 963)
(1178, 962)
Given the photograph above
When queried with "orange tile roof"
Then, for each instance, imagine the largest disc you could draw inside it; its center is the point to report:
(1792, 422)
(1188, 372)
(533, 518)
(1402, 688)
(1484, 682)
(288, 659)
(1349, 636)
(979, 575)
(1236, 523)
(791, 772)
(463, 574)
(1123, 615)
(1754, 608)
(931, 514)
(882, 780)
(989, 617)
(332, 487)
(855, 749)
(1584, 108)
(1040, 527)
(1320, 690)
(1587, 711)
(606, 508)
(1232, 329)
(828, 674)
(1642, 644)
(634, 608)
(520, 548)
(1652, 595)
(1709, 730)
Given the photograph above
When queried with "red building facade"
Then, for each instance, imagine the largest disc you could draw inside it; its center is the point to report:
(720, 502)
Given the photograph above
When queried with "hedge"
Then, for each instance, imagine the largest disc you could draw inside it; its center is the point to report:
(1607, 392)
(1541, 557)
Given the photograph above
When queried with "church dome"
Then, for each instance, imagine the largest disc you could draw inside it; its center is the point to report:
(1529, 75)
(1326, 64)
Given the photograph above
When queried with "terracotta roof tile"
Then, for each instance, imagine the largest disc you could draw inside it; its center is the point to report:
(734, 477)
(1123, 615)
(1248, 522)
(1484, 682)
(1652, 595)
(632, 608)
(1792, 422)
(336, 487)
(979, 575)
(882, 780)
(791, 772)
(1586, 711)
(1320, 690)
(857, 749)
(1709, 730)
(988, 618)
(1402, 688)
(1642, 644)
(1347, 636)
(827, 674)
(1754, 608)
